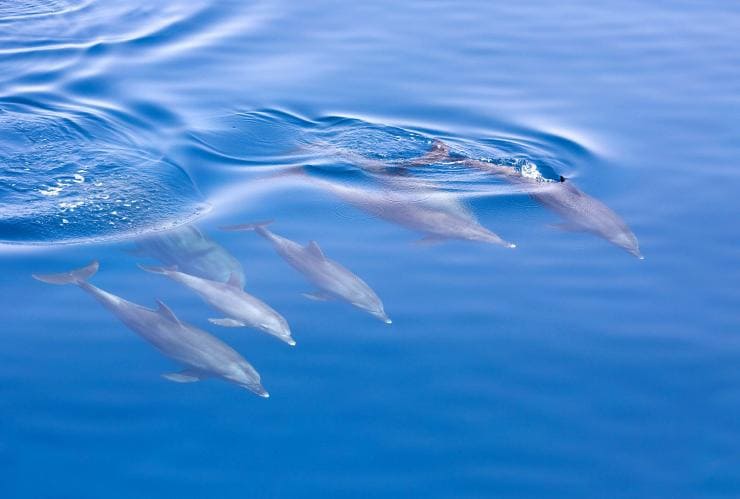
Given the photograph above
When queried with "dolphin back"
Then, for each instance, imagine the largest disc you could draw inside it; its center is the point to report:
(76, 276)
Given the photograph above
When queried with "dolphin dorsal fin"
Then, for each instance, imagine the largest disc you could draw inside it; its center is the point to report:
(165, 311)
(313, 248)
(234, 281)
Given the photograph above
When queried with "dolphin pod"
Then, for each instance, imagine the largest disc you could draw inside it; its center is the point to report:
(202, 265)
(203, 355)
(581, 211)
(332, 279)
(241, 308)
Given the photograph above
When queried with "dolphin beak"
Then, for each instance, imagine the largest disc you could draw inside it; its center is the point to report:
(290, 341)
(257, 390)
(381, 315)
(636, 252)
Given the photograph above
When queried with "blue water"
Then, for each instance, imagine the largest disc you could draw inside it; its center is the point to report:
(563, 368)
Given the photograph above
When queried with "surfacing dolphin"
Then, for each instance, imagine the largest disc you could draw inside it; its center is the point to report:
(203, 355)
(332, 279)
(439, 215)
(241, 308)
(192, 252)
(581, 211)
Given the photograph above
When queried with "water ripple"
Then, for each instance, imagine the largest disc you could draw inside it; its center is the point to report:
(73, 177)
(15, 11)
(354, 150)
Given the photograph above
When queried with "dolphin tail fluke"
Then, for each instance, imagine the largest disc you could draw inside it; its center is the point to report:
(76, 276)
(157, 270)
(244, 227)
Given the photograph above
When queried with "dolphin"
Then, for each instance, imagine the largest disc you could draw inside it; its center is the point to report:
(587, 214)
(192, 252)
(203, 355)
(241, 308)
(332, 279)
(581, 211)
(439, 215)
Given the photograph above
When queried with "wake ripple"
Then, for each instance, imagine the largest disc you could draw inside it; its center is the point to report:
(71, 177)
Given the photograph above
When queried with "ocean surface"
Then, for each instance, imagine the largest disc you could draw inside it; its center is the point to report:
(563, 367)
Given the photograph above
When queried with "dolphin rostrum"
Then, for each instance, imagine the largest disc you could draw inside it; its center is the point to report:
(241, 308)
(439, 215)
(581, 211)
(332, 279)
(203, 355)
(192, 252)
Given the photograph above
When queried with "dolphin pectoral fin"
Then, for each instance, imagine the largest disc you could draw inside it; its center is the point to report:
(226, 322)
(313, 248)
(429, 240)
(165, 311)
(317, 296)
(185, 376)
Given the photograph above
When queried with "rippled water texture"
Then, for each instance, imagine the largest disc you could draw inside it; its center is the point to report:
(442, 205)
(69, 178)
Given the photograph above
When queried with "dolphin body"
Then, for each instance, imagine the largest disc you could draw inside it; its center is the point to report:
(203, 355)
(192, 252)
(438, 215)
(241, 308)
(587, 214)
(333, 280)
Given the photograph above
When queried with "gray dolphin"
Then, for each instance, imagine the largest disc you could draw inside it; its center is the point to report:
(203, 355)
(332, 279)
(585, 213)
(581, 211)
(241, 308)
(192, 252)
(439, 215)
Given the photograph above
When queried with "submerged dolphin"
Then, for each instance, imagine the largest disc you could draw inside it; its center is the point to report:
(439, 215)
(241, 308)
(581, 211)
(191, 251)
(587, 214)
(203, 355)
(332, 279)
